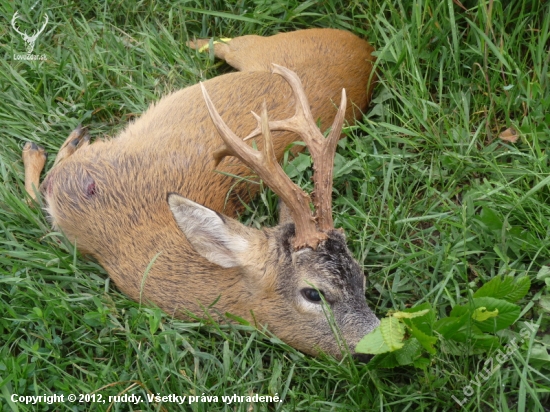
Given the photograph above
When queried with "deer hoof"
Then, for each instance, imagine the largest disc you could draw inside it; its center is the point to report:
(34, 153)
(78, 138)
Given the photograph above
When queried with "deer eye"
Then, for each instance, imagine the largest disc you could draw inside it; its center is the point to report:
(313, 295)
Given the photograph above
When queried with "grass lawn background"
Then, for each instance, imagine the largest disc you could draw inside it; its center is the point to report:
(433, 202)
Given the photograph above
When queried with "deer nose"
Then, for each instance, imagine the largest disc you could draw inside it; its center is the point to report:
(362, 357)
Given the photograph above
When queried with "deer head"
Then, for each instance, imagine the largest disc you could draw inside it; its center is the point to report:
(299, 275)
(30, 40)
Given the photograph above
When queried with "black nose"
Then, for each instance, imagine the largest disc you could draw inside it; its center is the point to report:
(362, 357)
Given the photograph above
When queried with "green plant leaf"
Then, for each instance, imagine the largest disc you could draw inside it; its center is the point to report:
(484, 342)
(423, 323)
(343, 167)
(447, 327)
(522, 286)
(505, 287)
(498, 287)
(237, 319)
(298, 165)
(409, 354)
(384, 360)
(373, 343)
(421, 363)
(411, 350)
(427, 341)
(387, 337)
(507, 313)
(393, 332)
(459, 310)
(490, 219)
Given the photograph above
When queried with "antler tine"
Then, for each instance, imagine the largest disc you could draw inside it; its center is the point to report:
(266, 166)
(323, 167)
(302, 122)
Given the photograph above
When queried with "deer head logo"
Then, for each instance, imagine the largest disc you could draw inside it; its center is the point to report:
(28, 39)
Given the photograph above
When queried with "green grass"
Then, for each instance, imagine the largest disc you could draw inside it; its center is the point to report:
(433, 202)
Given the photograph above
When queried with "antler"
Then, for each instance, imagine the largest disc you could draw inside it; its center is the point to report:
(265, 164)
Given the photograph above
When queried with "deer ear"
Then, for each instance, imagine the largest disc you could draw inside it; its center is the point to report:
(217, 238)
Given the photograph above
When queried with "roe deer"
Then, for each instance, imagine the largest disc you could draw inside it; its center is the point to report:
(121, 200)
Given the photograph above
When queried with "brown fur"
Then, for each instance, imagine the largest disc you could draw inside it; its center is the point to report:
(110, 197)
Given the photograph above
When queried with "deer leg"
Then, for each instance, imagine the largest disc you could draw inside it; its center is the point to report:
(34, 159)
(78, 138)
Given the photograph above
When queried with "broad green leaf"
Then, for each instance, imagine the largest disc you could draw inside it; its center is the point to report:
(419, 308)
(423, 323)
(485, 342)
(497, 287)
(476, 340)
(520, 289)
(94, 319)
(465, 330)
(298, 165)
(420, 325)
(344, 167)
(481, 314)
(387, 337)
(411, 350)
(384, 360)
(421, 363)
(426, 341)
(447, 327)
(490, 219)
(393, 332)
(459, 310)
(505, 287)
(507, 313)
(373, 343)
